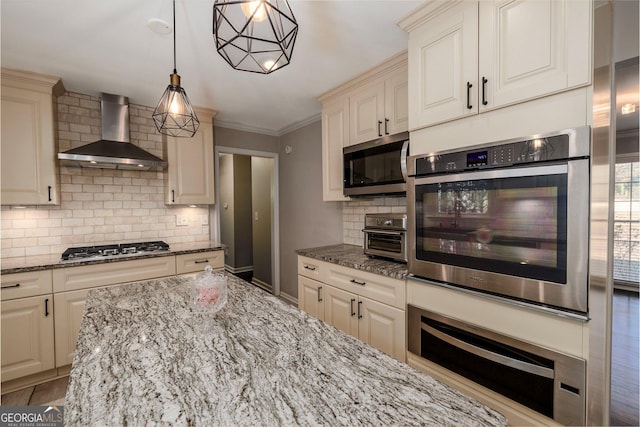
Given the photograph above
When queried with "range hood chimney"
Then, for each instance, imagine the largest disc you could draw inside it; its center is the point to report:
(113, 151)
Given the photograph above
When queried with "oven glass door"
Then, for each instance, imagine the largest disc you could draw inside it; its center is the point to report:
(512, 222)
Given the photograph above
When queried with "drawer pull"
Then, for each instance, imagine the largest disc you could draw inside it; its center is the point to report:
(201, 261)
(17, 285)
(310, 268)
(353, 313)
(359, 305)
(319, 295)
(46, 307)
(358, 283)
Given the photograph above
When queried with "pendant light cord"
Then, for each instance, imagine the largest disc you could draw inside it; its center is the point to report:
(174, 37)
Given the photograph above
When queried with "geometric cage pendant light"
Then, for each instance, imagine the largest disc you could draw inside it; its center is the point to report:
(174, 115)
(254, 35)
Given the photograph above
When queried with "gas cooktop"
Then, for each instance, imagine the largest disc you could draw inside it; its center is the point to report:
(122, 249)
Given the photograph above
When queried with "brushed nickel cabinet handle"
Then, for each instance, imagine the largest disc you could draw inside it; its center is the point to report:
(353, 313)
(319, 295)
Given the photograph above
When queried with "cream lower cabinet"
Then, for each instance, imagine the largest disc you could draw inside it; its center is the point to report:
(70, 308)
(27, 324)
(27, 336)
(365, 305)
(196, 262)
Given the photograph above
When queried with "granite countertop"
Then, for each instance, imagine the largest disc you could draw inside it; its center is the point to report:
(353, 256)
(144, 357)
(46, 262)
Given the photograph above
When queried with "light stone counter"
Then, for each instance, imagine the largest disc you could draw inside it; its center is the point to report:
(353, 257)
(145, 358)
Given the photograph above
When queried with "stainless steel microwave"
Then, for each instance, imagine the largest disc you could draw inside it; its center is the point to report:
(377, 167)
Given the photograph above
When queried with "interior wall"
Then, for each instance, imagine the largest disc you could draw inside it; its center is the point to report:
(262, 206)
(225, 198)
(242, 212)
(305, 219)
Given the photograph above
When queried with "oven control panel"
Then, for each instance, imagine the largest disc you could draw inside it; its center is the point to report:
(534, 150)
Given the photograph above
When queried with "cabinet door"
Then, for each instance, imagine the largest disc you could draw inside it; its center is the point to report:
(190, 170)
(531, 48)
(28, 148)
(443, 61)
(310, 297)
(340, 310)
(335, 134)
(27, 336)
(366, 113)
(382, 327)
(197, 262)
(69, 311)
(396, 103)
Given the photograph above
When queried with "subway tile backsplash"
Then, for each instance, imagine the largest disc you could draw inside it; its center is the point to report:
(353, 215)
(100, 206)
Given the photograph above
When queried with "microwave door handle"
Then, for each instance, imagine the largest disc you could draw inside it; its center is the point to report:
(404, 153)
(520, 365)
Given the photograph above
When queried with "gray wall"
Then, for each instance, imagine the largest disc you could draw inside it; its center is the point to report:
(242, 207)
(235, 210)
(262, 206)
(305, 220)
(225, 198)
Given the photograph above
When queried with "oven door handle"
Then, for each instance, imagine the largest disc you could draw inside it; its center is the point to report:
(514, 172)
(541, 371)
(390, 233)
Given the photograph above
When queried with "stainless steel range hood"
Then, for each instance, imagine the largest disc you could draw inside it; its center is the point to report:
(113, 151)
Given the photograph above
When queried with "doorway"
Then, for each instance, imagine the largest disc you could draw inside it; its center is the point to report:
(246, 214)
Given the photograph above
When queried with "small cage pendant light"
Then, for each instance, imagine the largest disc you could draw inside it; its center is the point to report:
(174, 115)
(254, 35)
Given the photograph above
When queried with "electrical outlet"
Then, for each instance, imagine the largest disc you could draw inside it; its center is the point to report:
(181, 220)
(204, 220)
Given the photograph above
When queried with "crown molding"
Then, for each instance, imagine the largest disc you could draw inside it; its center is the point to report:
(263, 131)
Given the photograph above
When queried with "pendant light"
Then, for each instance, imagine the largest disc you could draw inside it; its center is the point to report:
(174, 115)
(254, 35)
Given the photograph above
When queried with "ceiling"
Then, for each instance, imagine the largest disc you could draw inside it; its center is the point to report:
(106, 46)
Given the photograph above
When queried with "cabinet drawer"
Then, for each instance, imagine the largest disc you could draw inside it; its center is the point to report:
(311, 268)
(383, 289)
(196, 262)
(28, 284)
(112, 273)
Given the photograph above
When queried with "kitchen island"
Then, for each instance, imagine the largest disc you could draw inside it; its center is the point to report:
(144, 355)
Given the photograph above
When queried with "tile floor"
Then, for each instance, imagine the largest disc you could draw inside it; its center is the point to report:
(50, 393)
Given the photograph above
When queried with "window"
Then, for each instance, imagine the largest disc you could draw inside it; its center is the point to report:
(626, 234)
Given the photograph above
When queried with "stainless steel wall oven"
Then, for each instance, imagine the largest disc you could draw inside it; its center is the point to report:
(510, 219)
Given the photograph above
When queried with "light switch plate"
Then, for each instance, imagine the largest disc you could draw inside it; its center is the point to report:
(204, 220)
(181, 220)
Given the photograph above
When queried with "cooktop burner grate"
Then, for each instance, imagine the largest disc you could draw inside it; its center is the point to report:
(114, 250)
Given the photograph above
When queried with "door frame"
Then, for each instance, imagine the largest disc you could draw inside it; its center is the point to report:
(275, 217)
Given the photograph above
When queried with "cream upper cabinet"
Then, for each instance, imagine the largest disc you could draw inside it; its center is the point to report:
(27, 336)
(468, 57)
(532, 48)
(190, 174)
(379, 108)
(335, 134)
(28, 170)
